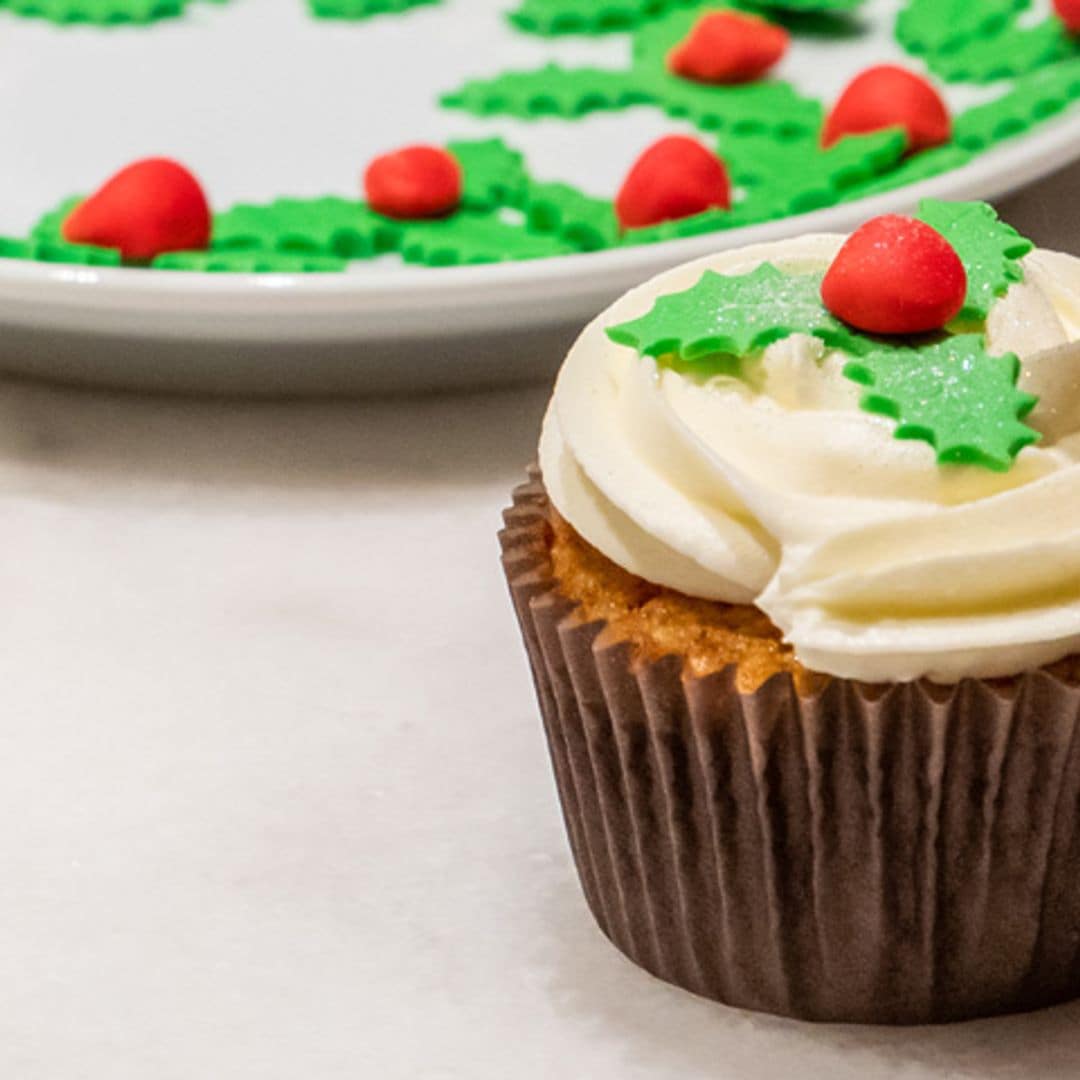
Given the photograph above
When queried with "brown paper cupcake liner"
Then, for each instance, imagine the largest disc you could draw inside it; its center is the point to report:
(904, 853)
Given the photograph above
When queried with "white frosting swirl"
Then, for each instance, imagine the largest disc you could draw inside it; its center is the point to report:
(777, 489)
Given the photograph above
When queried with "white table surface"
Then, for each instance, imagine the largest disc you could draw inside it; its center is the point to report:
(274, 796)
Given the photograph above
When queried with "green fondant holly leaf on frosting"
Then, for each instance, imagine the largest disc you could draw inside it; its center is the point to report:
(953, 395)
(948, 391)
(735, 315)
(989, 249)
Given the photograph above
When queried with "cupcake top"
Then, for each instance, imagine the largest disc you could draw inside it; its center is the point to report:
(899, 504)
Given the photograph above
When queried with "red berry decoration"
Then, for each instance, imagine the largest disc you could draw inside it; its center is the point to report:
(414, 182)
(895, 275)
(1069, 13)
(150, 207)
(728, 47)
(675, 178)
(890, 96)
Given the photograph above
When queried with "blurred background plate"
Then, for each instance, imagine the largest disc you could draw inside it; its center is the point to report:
(262, 100)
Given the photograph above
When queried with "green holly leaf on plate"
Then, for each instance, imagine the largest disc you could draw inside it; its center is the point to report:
(953, 395)
(362, 9)
(989, 249)
(735, 315)
(494, 174)
(813, 7)
(551, 17)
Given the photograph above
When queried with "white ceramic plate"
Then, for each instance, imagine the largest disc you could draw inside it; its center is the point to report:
(262, 100)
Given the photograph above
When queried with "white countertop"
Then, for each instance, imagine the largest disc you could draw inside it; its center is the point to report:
(275, 797)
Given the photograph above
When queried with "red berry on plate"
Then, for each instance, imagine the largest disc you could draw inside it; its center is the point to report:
(895, 275)
(728, 47)
(675, 178)
(890, 96)
(1069, 13)
(414, 182)
(150, 207)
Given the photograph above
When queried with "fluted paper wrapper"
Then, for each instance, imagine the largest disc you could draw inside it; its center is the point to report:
(902, 853)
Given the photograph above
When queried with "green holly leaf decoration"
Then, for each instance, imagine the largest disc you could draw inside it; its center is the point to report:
(735, 315)
(794, 176)
(989, 249)
(329, 226)
(468, 238)
(1031, 100)
(1016, 51)
(96, 12)
(911, 170)
(586, 222)
(929, 27)
(953, 395)
(680, 228)
(760, 107)
(552, 90)
(812, 7)
(49, 228)
(552, 17)
(46, 251)
(247, 262)
(363, 9)
(493, 174)
(950, 393)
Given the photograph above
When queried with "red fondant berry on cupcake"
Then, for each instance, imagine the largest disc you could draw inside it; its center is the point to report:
(148, 208)
(416, 182)
(890, 96)
(895, 275)
(727, 47)
(1069, 13)
(676, 177)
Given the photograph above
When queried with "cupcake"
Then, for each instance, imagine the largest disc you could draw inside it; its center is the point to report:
(799, 581)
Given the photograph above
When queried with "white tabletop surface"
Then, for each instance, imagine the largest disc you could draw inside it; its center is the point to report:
(274, 799)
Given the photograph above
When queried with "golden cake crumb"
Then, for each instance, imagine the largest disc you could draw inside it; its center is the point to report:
(659, 621)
